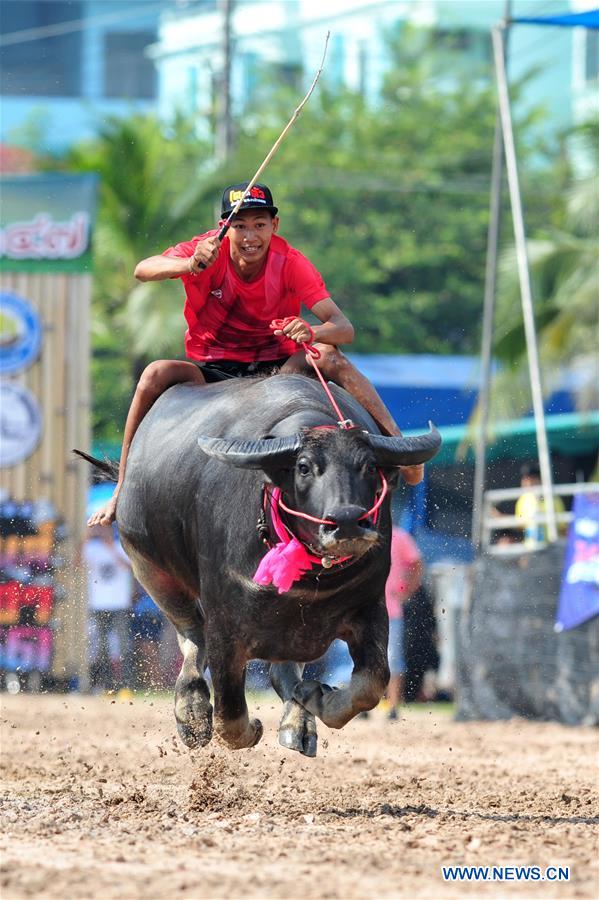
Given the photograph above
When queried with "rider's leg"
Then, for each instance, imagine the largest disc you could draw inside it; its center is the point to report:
(155, 379)
(336, 367)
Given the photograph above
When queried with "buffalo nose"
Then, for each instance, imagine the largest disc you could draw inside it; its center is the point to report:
(346, 521)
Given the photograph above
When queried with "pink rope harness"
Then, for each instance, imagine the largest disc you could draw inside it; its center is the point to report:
(287, 561)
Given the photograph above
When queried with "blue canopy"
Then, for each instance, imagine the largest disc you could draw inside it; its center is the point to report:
(587, 19)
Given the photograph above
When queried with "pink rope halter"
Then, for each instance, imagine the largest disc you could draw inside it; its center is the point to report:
(373, 511)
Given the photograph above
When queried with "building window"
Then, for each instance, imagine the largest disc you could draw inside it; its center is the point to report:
(456, 40)
(473, 44)
(129, 74)
(591, 62)
(43, 65)
(289, 74)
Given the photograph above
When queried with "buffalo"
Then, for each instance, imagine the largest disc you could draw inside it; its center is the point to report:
(261, 526)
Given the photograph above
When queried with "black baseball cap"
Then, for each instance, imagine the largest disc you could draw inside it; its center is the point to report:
(259, 197)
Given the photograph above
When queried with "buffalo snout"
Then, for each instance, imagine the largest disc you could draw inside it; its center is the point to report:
(347, 523)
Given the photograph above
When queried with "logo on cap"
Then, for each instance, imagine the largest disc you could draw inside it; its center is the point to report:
(258, 196)
(254, 194)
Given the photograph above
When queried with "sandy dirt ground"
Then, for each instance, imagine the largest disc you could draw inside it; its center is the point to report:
(101, 801)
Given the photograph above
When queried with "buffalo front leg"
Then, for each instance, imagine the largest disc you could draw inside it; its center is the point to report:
(232, 722)
(367, 643)
(297, 728)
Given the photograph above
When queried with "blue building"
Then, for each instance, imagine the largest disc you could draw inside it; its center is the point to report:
(67, 64)
(284, 40)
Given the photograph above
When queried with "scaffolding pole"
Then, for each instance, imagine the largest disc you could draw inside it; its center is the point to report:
(480, 451)
(524, 277)
(224, 119)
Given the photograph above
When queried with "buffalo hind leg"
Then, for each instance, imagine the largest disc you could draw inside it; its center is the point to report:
(193, 710)
(232, 722)
(297, 728)
(367, 643)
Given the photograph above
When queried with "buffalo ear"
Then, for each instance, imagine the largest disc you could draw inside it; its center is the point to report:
(268, 454)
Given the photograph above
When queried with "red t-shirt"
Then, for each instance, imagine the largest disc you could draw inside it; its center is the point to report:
(228, 318)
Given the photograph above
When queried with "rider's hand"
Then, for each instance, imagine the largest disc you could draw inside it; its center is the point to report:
(205, 253)
(297, 330)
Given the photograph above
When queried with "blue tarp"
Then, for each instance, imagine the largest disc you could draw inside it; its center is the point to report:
(444, 389)
(588, 19)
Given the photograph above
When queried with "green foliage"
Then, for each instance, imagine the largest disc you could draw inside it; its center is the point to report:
(153, 192)
(389, 200)
(565, 285)
(391, 205)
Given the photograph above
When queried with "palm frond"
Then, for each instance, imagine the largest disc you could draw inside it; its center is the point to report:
(153, 316)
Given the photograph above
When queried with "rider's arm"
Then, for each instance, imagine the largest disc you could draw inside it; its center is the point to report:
(336, 327)
(173, 264)
(158, 268)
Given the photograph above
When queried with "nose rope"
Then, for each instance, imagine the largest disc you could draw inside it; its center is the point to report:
(312, 354)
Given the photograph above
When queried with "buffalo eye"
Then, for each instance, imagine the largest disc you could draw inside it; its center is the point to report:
(303, 468)
(370, 468)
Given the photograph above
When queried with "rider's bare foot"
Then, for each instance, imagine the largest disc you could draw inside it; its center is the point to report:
(412, 474)
(105, 515)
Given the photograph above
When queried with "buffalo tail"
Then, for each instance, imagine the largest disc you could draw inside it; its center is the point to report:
(109, 468)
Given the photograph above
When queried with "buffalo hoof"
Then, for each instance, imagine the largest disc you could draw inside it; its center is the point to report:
(258, 729)
(195, 735)
(193, 713)
(297, 730)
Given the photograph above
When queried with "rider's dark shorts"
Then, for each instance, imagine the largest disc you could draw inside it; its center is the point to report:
(223, 369)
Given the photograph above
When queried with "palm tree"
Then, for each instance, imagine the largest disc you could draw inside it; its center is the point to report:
(565, 282)
(155, 188)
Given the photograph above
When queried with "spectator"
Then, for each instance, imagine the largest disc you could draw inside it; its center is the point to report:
(420, 641)
(506, 537)
(531, 504)
(405, 577)
(109, 584)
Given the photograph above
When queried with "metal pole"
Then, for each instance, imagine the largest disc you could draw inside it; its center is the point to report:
(480, 460)
(488, 317)
(524, 278)
(224, 125)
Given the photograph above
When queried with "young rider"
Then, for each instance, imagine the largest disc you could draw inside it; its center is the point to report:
(234, 289)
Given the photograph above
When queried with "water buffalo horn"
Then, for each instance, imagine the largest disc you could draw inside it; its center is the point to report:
(405, 451)
(252, 454)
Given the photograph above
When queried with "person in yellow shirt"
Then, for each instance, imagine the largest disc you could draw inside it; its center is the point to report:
(530, 504)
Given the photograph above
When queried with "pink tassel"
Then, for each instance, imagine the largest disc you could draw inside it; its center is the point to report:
(283, 565)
